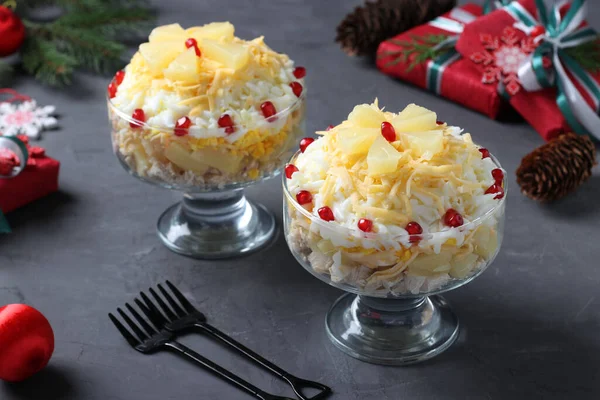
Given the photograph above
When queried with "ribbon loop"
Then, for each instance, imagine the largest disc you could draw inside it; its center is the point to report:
(20, 149)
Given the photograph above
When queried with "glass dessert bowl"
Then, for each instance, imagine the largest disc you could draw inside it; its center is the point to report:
(393, 209)
(203, 112)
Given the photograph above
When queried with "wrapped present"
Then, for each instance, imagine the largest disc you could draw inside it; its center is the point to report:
(537, 56)
(425, 56)
(26, 174)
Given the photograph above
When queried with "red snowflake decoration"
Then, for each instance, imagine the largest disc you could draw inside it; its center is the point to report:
(502, 58)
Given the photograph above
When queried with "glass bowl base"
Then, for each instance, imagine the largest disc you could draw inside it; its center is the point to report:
(216, 225)
(392, 331)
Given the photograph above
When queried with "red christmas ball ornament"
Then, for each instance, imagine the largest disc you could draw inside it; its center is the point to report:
(12, 32)
(26, 340)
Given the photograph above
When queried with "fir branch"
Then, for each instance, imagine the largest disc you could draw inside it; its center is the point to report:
(110, 22)
(587, 55)
(5, 72)
(42, 59)
(420, 48)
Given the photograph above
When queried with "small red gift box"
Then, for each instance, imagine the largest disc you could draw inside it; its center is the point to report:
(38, 179)
(501, 46)
(447, 74)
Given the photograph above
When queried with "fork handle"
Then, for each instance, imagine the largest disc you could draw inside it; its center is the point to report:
(219, 371)
(296, 383)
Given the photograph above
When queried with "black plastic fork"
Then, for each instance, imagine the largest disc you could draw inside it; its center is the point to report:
(150, 340)
(183, 316)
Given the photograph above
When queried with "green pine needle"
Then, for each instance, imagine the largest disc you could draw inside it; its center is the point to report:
(422, 47)
(5, 72)
(46, 63)
(587, 55)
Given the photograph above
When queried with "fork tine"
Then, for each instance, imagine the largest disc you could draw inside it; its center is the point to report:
(156, 321)
(133, 342)
(182, 299)
(171, 301)
(132, 325)
(169, 313)
(149, 330)
(160, 318)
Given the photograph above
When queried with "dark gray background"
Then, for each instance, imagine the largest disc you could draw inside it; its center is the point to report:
(530, 324)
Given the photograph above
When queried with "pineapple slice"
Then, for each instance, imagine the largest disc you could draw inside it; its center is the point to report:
(231, 55)
(184, 68)
(167, 33)
(159, 55)
(426, 144)
(214, 30)
(430, 264)
(356, 140)
(462, 265)
(366, 116)
(383, 157)
(141, 161)
(415, 119)
(485, 241)
(220, 160)
(184, 159)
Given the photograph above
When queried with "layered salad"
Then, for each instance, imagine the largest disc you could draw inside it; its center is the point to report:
(201, 107)
(394, 203)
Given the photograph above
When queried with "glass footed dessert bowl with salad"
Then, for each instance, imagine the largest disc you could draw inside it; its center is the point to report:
(393, 209)
(203, 112)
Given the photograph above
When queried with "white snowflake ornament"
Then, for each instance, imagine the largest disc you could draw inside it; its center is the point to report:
(26, 118)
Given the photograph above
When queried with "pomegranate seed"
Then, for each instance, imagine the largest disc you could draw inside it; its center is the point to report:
(303, 197)
(289, 170)
(537, 31)
(413, 228)
(326, 214)
(330, 127)
(296, 88)
(139, 116)
(119, 76)
(182, 125)
(226, 122)
(495, 188)
(112, 89)
(498, 175)
(191, 42)
(453, 219)
(365, 225)
(268, 110)
(485, 153)
(299, 72)
(388, 131)
(439, 122)
(304, 143)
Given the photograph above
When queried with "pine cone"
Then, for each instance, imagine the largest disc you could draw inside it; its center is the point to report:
(362, 30)
(557, 168)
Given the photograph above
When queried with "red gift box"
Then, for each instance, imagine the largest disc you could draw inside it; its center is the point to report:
(493, 41)
(450, 76)
(38, 179)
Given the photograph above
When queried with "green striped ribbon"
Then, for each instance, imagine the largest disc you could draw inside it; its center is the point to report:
(562, 33)
(488, 6)
(437, 65)
(20, 149)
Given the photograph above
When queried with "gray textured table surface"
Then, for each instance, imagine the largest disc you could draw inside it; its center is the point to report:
(529, 324)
